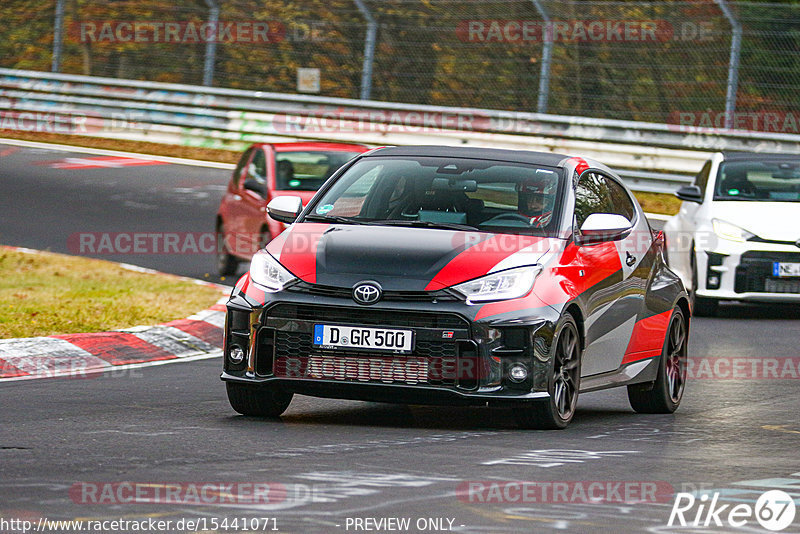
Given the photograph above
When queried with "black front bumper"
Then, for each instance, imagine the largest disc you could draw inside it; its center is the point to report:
(455, 360)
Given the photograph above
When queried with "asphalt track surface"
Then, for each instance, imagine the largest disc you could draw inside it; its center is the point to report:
(335, 466)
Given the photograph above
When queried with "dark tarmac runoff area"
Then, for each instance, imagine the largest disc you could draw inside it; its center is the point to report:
(161, 444)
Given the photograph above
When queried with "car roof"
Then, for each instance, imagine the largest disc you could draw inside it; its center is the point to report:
(516, 156)
(313, 146)
(756, 156)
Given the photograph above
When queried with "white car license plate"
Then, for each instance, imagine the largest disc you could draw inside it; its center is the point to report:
(785, 269)
(358, 337)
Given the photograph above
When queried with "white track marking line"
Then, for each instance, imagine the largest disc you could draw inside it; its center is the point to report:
(105, 152)
(113, 368)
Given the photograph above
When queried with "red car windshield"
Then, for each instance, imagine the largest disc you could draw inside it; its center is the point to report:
(307, 170)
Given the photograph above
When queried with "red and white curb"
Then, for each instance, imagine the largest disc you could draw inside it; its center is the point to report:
(81, 355)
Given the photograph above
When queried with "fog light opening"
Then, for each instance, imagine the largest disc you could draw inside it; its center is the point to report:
(518, 372)
(236, 355)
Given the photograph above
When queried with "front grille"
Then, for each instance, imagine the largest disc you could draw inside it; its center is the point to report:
(431, 363)
(367, 316)
(396, 296)
(779, 285)
(754, 273)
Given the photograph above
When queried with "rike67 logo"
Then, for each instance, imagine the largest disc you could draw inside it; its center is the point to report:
(774, 510)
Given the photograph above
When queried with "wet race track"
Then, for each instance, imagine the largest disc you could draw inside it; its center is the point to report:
(84, 448)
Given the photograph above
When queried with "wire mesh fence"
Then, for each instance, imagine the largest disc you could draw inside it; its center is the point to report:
(689, 63)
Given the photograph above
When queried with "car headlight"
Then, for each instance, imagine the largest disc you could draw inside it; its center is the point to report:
(726, 230)
(267, 272)
(503, 285)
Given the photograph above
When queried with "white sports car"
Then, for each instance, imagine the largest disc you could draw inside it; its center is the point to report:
(737, 235)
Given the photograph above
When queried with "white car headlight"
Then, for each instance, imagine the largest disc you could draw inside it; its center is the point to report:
(726, 230)
(267, 272)
(503, 285)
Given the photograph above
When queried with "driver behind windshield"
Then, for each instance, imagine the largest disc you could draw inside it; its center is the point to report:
(536, 199)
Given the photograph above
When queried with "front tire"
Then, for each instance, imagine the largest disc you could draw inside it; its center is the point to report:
(257, 401)
(665, 394)
(226, 262)
(563, 384)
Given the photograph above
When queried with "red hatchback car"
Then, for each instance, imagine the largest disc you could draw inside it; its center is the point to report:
(264, 172)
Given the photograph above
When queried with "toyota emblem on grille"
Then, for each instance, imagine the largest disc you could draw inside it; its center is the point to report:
(367, 293)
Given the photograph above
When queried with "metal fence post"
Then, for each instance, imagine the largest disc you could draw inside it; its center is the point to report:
(733, 64)
(211, 42)
(547, 54)
(58, 36)
(369, 50)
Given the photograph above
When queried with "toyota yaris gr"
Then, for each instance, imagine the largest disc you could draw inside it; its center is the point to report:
(441, 275)
(737, 235)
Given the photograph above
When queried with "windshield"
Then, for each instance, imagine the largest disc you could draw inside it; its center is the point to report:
(765, 181)
(307, 171)
(456, 193)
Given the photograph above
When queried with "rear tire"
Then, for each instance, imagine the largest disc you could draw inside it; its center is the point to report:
(226, 262)
(257, 401)
(701, 306)
(665, 394)
(563, 384)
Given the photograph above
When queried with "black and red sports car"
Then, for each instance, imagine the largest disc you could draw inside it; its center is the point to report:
(460, 276)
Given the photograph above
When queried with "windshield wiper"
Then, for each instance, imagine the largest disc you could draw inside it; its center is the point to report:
(332, 219)
(426, 224)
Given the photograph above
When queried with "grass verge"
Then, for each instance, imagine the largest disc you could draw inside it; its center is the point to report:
(44, 294)
(658, 203)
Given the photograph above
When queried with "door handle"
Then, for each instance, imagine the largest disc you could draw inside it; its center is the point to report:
(630, 259)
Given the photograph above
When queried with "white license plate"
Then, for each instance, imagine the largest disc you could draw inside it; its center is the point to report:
(785, 269)
(359, 337)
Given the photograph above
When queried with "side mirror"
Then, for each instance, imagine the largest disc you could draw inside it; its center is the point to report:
(285, 209)
(690, 193)
(599, 227)
(255, 186)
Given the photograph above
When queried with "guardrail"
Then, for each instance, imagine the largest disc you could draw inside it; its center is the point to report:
(651, 157)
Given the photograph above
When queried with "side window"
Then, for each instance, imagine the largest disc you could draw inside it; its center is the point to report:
(701, 180)
(237, 173)
(257, 170)
(623, 205)
(592, 196)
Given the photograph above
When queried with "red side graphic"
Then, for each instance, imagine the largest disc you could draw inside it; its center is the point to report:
(117, 347)
(479, 259)
(579, 269)
(299, 251)
(647, 338)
